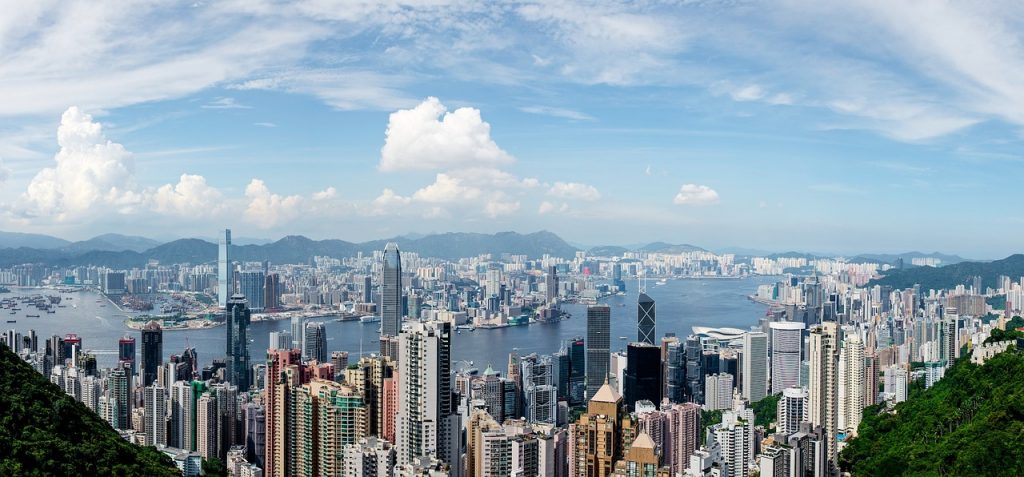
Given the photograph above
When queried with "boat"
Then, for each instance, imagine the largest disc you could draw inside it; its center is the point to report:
(51, 311)
(12, 321)
(32, 316)
(369, 319)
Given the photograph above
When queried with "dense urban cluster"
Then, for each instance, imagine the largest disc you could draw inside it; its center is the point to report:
(674, 403)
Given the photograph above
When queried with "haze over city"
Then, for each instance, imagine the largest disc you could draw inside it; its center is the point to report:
(772, 126)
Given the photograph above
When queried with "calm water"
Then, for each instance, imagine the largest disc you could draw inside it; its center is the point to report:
(681, 304)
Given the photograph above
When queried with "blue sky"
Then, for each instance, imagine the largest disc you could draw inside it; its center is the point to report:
(844, 127)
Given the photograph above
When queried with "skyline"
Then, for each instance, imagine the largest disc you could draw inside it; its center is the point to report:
(758, 126)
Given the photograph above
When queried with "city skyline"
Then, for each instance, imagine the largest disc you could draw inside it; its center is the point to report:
(696, 124)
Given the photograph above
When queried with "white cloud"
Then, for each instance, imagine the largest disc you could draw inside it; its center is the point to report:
(388, 198)
(446, 189)
(428, 137)
(575, 191)
(90, 171)
(344, 88)
(558, 113)
(549, 207)
(225, 103)
(498, 206)
(266, 209)
(190, 197)
(326, 194)
(265, 125)
(693, 194)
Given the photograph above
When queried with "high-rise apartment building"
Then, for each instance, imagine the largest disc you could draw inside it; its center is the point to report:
(791, 411)
(851, 384)
(823, 386)
(225, 270)
(718, 391)
(156, 415)
(598, 347)
(238, 317)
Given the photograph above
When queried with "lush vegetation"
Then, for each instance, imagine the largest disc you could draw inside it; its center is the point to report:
(997, 302)
(1014, 323)
(952, 275)
(765, 410)
(970, 423)
(1000, 335)
(708, 419)
(43, 432)
(215, 468)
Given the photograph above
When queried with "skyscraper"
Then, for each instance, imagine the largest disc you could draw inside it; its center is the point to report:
(823, 386)
(601, 435)
(787, 342)
(645, 319)
(851, 383)
(551, 285)
(298, 332)
(315, 342)
(252, 285)
(152, 351)
(155, 412)
(791, 411)
(599, 319)
(643, 374)
(238, 318)
(755, 366)
(225, 280)
(391, 291)
(426, 424)
(126, 352)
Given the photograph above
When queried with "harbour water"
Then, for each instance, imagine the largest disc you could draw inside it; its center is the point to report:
(681, 304)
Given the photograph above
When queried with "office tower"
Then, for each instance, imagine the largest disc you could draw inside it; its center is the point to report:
(601, 435)
(642, 458)
(675, 370)
(735, 437)
(682, 424)
(252, 285)
(328, 416)
(272, 292)
(694, 370)
(280, 340)
(238, 316)
(298, 332)
(823, 386)
(598, 347)
(152, 351)
(367, 289)
(792, 410)
(340, 361)
(718, 391)
(391, 291)
(126, 352)
(642, 378)
(851, 384)
(72, 346)
(370, 457)
(120, 391)
(315, 342)
(551, 285)
(425, 424)
(284, 373)
(787, 342)
(755, 366)
(645, 319)
(225, 278)
(156, 415)
(575, 350)
(207, 429)
(540, 395)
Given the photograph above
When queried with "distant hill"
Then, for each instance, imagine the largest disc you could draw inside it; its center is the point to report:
(607, 251)
(969, 423)
(950, 276)
(44, 431)
(40, 241)
(907, 257)
(112, 243)
(299, 249)
(662, 247)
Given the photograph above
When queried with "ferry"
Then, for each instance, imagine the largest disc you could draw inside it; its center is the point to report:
(369, 319)
(12, 321)
(32, 316)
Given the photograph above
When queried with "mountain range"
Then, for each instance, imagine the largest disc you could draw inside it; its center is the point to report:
(950, 276)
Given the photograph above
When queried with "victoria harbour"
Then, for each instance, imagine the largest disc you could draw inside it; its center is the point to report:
(681, 305)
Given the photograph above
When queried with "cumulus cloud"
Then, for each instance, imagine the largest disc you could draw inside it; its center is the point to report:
(388, 198)
(693, 194)
(428, 137)
(499, 206)
(326, 194)
(90, 170)
(191, 196)
(446, 189)
(266, 209)
(574, 190)
(549, 207)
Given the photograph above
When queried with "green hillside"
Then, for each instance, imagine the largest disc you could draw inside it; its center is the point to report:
(45, 432)
(950, 276)
(970, 423)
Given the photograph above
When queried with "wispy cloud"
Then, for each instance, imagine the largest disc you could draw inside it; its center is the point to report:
(558, 113)
(224, 103)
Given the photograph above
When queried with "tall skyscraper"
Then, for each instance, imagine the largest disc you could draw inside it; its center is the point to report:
(126, 352)
(601, 435)
(391, 291)
(426, 424)
(315, 342)
(155, 412)
(152, 351)
(645, 320)
(851, 383)
(272, 292)
(540, 395)
(298, 332)
(823, 386)
(225, 280)
(119, 400)
(599, 319)
(238, 318)
(642, 378)
(755, 366)
(787, 342)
